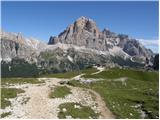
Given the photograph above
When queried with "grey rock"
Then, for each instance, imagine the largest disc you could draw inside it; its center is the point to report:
(84, 32)
(53, 40)
(156, 62)
(16, 46)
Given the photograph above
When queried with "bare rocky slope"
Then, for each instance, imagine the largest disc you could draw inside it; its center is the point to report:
(81, 45)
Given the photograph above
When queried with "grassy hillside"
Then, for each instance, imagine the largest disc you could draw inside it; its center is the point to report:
(84, 112)
(70, 74)
(7, 93)
(128, 93)
(60, 92)
(8, 81)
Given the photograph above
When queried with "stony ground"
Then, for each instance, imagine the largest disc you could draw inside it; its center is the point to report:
(35, 102)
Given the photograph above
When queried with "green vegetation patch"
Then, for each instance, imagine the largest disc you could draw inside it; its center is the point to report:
(5, 114)
(62, 75)
(60, 92)
(81, 112)
(67, 75)
(6, 81)
(139, 93)
(7, 93)
(89, 71)
(130, 73)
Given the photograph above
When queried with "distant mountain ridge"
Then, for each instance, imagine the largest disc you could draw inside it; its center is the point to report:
(84, 32)
(81, 45)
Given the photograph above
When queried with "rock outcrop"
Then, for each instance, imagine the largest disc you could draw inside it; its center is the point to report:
(156, 62)
(16, 46)
(84, 32)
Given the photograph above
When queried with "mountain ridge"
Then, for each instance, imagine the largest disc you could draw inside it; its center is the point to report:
(84, 32)
(79, 46)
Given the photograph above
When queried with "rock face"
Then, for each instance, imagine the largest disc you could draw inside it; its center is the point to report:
(134, 48)
(84, 32)
(16, 46)
(19, 55)
(156, 62)
(53, 40)
(62, 60)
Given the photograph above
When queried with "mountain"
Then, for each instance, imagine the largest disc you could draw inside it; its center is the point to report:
(16, 45)
(81, 45)
(84, 32)
(19, 55)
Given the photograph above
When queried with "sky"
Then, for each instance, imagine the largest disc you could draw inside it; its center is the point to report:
(44, 19)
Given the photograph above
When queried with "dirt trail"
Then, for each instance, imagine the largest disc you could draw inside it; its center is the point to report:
(100, 69)
(105, 112)
(41, 106)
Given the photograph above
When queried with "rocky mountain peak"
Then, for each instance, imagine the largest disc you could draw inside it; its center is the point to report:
(16, 37)
(85, 33)
(84, 23)
(78, 33)
(84, 19)
(106, 31)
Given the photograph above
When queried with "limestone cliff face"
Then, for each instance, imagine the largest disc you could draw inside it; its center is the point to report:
(16, 46)
(156, 62)
(84, 32)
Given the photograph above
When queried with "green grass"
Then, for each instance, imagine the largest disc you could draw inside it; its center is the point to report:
(6, 81)
(89, 71)
(82, 113)
(5, 114)
(141, 88)
(62, 75)
(72, 74)
(7, 93)
(60, 92)
(116, 73)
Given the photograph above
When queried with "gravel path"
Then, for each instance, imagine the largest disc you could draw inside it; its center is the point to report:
(39, 105)
(100, 69)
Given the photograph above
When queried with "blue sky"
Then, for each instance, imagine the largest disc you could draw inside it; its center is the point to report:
(43, 19)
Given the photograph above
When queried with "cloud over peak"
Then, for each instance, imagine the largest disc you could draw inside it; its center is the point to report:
(152, 44)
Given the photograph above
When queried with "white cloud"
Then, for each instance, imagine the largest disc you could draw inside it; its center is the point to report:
(151, 44)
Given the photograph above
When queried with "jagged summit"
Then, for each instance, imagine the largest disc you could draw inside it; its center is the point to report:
(85, 18)
(17, 37)
(82, 18)
(84, 32)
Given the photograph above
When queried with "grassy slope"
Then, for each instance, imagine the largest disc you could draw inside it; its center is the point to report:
(60, 92)
(82, 113)
(141, 88)
(5, 114)
(7, 93)
(6, 81)
(70, 74)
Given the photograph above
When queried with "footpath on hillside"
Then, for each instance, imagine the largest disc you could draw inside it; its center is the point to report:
(39, 105)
